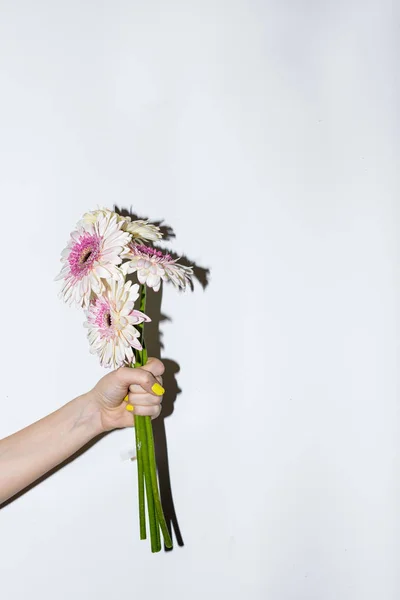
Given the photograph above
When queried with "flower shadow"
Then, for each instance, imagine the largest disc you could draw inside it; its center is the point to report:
(201, 274)
(166, 230)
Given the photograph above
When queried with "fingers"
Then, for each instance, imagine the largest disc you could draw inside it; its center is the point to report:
(146, 405)
(144, 387)
(155, 367)
(145, 411)
(143, 399)
(137, 389)
(143, 377)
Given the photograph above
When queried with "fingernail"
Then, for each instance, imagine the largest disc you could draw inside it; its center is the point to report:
(126, 398)
(158, 389)
(129, 407)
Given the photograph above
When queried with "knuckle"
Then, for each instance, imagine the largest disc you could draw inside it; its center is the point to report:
(156, 412)
(149, 378)
(119, 372)
(152, 399)
(141, 376)
(157, 366)
(161, 367)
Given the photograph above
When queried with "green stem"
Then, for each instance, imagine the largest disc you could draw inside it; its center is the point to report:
(149, 492)
(139, 455)
(156, 542)
(147, 468)
(140, 434)
(140, 327)
(154, 483)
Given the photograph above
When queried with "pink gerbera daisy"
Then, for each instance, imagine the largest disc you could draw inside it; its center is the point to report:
(111, 320)
(92, 256)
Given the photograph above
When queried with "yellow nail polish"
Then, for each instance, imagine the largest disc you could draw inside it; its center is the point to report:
(129, 407)
(158, 389)
(126, 398)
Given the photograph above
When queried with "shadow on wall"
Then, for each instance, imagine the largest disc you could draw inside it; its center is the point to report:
(154, 346)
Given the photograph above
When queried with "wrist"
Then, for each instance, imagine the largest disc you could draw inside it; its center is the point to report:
(90, 414)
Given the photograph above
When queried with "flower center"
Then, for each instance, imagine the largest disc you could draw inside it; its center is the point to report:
(151, 252)
(83, 254)
(104, 318)
(86, 254)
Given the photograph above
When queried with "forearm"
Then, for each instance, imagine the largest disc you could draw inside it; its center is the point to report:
(30, 453)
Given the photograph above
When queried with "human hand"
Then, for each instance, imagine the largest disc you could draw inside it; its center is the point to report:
(125, 391)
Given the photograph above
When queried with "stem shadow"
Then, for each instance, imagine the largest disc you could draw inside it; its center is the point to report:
(154, 346)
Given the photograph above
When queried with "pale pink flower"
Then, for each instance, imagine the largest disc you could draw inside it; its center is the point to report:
(92, 256)
(153, 266)
(111, 320)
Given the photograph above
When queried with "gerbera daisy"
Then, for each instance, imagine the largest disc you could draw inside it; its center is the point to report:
(141, 231)
(152, 266)
(110, 320)
(92, 256)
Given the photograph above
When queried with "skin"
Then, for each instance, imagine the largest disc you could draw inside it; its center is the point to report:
(30, 453)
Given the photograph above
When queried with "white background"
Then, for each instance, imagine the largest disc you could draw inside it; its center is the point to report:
(264, 133)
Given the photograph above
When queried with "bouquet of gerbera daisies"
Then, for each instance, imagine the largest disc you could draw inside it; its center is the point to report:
(104, 252)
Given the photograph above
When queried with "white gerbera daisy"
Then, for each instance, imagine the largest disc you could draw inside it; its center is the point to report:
(140, 230)
(92, 256)
(143, 231)
(152, 266)
(110, 321)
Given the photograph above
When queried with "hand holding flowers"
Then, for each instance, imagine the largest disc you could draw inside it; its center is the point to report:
(124, 389)
(103, 252)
